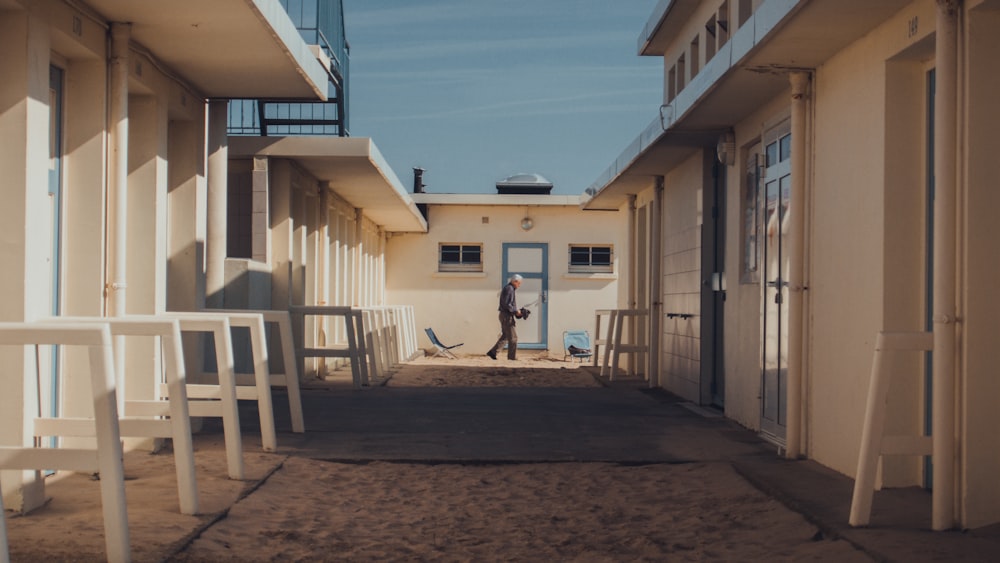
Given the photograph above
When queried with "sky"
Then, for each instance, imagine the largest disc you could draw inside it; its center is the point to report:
(475, 91)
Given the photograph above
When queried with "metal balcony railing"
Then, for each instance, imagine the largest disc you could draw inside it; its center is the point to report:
(320, 22)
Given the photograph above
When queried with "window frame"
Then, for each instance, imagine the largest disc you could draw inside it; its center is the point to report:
(461, 265)
(590, 267)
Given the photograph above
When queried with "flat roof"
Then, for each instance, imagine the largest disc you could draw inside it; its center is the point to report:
(355, 169)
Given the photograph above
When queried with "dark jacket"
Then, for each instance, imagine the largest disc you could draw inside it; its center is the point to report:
(508, 303)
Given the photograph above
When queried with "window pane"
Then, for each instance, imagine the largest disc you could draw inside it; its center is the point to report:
(579, 255)
(471, 255)
(772, 154)
(786, 147)
(601, 256)
(451, 254)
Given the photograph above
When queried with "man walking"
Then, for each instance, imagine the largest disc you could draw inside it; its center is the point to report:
(508, 312)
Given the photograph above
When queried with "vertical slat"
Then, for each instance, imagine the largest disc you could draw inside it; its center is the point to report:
(109, 451)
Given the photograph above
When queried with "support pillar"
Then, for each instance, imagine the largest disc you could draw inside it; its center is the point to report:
(216, 209)
(796, 275)
(945, 238)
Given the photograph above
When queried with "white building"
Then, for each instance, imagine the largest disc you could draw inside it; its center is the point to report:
(571, 261)
(822, 171)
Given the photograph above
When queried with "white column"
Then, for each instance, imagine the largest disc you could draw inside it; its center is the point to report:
(945, 208)
(218, 177)
(796, 256)
(655, 284)
(118, 189)
(359, 247)
(118, 167)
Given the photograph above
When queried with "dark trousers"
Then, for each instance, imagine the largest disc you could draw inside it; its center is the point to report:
(508, 334)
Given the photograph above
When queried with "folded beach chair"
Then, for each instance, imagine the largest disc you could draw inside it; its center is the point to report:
(442, 350)
(576, 343)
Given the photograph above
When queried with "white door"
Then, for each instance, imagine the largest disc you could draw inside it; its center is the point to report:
(531, 261)
(775, 188)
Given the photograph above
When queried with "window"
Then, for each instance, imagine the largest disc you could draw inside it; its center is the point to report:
(460, 257)
(588, 259)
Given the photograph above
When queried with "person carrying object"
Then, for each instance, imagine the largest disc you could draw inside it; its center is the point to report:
(508, 313)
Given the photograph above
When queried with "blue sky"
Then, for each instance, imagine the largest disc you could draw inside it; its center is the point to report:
(474, 91)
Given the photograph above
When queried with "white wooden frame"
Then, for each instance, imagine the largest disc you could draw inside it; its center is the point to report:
(106, 458)
(145, 418)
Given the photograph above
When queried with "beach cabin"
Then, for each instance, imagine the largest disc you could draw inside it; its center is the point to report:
(821, 172)
(126, 194)
(571, 261)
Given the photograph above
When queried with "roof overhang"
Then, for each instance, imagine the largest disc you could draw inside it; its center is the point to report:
(224, 48)
(519, 200)
(354, 168)
(747, 72)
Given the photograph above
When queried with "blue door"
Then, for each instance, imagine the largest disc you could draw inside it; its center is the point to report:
(531, 260)
(49, 362)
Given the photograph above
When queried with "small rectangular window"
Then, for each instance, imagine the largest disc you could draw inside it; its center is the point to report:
(587, 259)
(460, 257)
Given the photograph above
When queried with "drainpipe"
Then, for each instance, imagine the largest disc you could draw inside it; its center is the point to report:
(796, 243)
(633, 267)
(945, 206)
(359, 260)
(118, 187)
(655, 283)
(218, 172)
(324, 243)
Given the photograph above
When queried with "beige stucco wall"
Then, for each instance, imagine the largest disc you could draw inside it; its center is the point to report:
(461, 307)
(980, 384)
(867, 242)
(682, 223)
(165, 154)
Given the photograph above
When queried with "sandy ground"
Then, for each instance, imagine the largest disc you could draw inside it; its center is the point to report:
(297, 509)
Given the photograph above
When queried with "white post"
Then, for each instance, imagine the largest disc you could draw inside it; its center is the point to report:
(945, 167)
(218, 174)
(796, 284)
(118, 189)
(655, 280)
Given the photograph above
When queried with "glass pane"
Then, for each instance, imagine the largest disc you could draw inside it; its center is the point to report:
(786, 147)
(450, 253)
(601, 256)
(579, 256)
(772, 154)
(471, 255)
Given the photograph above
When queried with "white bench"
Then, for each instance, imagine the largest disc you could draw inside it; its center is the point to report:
(106, 458)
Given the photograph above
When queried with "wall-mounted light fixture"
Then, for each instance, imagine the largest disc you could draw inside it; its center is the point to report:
(726, 149)
(527, 223)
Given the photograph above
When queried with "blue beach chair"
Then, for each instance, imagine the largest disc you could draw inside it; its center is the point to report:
(442, 350)
(576, 343)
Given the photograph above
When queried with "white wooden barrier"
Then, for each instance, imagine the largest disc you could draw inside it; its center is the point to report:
(381, 332)
(172, 419)
(290, 379)
(260, 389)
(378, 339)
(106, 459)
(408, 333)
(612, 341)
(353, 349)
(874, 442)
(219, 400)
